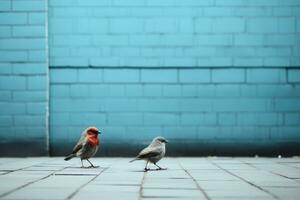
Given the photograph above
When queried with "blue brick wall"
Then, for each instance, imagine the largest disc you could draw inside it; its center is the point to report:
(211, 74)
(23, 77)
(174, 33)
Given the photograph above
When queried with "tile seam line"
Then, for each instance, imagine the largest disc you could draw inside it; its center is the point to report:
(194, 180)
(248, 182)
(31, 182)
(141, 190)
(85, 184)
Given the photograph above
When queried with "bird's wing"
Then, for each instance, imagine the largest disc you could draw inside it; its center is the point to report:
(149, 152)
(79, 144)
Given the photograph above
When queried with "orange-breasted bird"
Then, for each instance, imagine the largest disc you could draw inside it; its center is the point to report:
(87, 146)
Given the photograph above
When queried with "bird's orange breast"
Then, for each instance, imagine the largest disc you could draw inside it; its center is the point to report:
(93, 141)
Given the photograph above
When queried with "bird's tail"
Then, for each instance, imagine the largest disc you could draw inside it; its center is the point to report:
(69, 157)
(133, 160)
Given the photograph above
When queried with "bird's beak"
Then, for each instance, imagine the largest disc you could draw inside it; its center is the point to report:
(99, 132)
(166, 141)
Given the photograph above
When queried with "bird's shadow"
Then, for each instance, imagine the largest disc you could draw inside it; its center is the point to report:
(149, 170)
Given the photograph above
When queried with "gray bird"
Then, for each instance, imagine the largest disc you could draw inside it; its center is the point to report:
(154, 152)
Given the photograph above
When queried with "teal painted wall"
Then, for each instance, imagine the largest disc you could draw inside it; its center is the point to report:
(23, 77)
(216, 77)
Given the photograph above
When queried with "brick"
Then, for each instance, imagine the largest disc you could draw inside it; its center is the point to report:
(5, 5)
(246, 62)
(161, 25)
(162, 119)
(70, 61)
(90, 25)
(134, 90)
(13, 18)
(152, 90)
(291, 119)
(120, 105)
(128, 3)
(203, 25)
(12, 108)
(59, 119)
(291, 104)
(190, 90)
(248, 40)
(171, 90)
(281, 40)
(217, 11)
(13, 56)
(158, 105)
(5, 31)
(145, 40)
(90, 119)
(61, 25)
(276, 61)
(93, 3)
(263, 119)
(126, 25)
(29, 96)
(248, 90)
(226, 119)
(177, 40)
(286, 25)
(63, 75)
(6, 121)
(228, 25)
(30, 68)
(195, 105)
(121, 75)
(37, 83)
(266, 76)
(5, 96)
(37, 56)
(12, 82)
(37, 18)
(159, 76)
(206, 90)
(179, 62)
(138, 62)
(25, 120)
(127, 51)
(293, 75)
(194, 3)
(215, 61)
(29, 5)
(227, 90)
(246, 105)
(194, 76)
(116, 90)
(111, 40)
(79, 91)
(125, 119)
(186, 25)
(31, 31)
(252, 11)
(216, 40)
(59, 91)
(29, 43)
(148, 132)
(37, 108)
(277, 90)
(228, 75)
(90, 75)
(179, 132)
(262, 25)
(192, 119)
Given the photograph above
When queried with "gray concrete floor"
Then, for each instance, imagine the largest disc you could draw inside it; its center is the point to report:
(185, 178)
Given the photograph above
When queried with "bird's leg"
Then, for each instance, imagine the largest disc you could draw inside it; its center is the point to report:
(92, 166)
(146, 169)
(159, 168)
(82, 164)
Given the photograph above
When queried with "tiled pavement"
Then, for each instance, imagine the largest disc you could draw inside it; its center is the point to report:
(185, 178)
